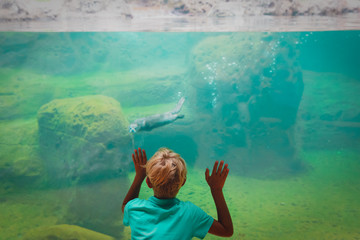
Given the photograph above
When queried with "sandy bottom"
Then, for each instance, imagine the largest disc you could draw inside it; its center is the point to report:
(323, 203)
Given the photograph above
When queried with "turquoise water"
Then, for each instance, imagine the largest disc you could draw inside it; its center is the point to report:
(281, 108)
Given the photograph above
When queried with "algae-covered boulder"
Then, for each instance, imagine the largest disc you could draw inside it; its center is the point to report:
(84, 137)
(249, 85)
(65, 232)
(259, 69)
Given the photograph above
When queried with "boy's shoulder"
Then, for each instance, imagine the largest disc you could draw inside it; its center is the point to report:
(190, 205)
(137, 201)
(134, 203)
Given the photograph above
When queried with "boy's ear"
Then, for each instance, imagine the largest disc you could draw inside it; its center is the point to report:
(184, 182)
(148, 182)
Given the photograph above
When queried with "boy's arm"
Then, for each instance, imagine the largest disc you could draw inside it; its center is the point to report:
(139, 159)
(223, 226)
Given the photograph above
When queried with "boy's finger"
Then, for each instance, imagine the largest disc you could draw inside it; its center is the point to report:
(215, 167)
(140, 155)
(133, 158)
(144, 156)
(220, 167)
(136, 156)
(224, 170)
(226, 173)
(207, 174)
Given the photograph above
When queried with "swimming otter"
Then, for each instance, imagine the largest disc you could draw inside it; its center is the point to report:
(157, 120)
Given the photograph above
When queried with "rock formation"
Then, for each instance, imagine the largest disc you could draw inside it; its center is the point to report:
(84, 137)
(115, 15)
(18, 10)
(228, 8)
(245, 84)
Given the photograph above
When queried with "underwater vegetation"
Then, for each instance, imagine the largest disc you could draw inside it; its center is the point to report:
(281, 108)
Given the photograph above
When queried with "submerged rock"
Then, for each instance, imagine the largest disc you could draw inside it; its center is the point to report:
(65, 232)
(249, 86)
(257, 68)
(84, 137)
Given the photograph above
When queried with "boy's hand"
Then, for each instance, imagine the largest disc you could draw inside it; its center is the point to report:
(218, 176)
(139, 159)
(223, 226)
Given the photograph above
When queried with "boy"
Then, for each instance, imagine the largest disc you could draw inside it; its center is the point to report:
(165, 217)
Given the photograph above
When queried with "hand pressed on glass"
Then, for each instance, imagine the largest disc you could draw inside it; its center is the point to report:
(140, 159)
(223, 226)
(218, 175)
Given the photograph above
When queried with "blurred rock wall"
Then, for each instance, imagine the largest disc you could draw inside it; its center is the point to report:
(85, 137)
(247, 89)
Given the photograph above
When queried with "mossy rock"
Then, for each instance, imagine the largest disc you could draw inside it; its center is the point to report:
(259, 69)
(226, 55)
(65, 232)
(84, 137)
(246, 89)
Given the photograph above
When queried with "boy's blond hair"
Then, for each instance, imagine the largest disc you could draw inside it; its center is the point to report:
(166, 171)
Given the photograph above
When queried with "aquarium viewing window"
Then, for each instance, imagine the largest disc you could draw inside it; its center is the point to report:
(271, 87)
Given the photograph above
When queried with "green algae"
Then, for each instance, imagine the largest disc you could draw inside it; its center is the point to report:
(84, 137)
(98, 117)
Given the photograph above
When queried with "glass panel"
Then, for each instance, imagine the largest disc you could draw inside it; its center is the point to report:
(282, 109)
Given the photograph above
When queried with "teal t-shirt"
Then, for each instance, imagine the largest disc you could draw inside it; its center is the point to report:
(165, 219)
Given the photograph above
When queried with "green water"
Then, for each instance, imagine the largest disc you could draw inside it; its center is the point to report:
(281, 108)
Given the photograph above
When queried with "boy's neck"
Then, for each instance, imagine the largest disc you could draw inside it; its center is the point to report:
(164, 197)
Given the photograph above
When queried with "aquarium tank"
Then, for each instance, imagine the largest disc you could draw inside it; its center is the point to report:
(281, 108)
